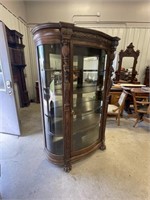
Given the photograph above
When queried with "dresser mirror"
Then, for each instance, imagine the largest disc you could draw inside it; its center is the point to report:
(127, 66)
(127, 63)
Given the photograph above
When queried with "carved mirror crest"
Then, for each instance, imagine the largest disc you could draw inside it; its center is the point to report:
(127, 65)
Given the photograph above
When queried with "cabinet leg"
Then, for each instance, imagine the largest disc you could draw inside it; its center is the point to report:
(67, 167)
(102, 146)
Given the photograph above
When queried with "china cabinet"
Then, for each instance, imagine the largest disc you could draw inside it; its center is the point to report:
(75, 67)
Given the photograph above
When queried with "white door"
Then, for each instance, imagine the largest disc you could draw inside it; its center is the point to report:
(9, 120)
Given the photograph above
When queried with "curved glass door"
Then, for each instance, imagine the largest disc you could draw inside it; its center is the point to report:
(51, 89)
(88, 78)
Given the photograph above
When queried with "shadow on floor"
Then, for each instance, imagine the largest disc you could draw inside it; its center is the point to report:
(30, 118)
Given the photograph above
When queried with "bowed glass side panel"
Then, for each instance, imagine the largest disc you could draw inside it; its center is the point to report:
(51, 87)
(88, 80)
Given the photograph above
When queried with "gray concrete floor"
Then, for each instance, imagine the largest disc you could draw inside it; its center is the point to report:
(121, 172)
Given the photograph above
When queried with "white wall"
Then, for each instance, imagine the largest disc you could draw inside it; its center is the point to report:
(42, 11)
(12, 21)
(111, 12)
(130, 21)
(141, 41)
(16, 7)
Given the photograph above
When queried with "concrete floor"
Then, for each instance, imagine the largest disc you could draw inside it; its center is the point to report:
(122, 172)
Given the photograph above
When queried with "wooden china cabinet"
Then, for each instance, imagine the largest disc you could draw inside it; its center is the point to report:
(75, 67)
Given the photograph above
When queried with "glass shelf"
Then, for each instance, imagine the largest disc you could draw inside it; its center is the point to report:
(74, 64)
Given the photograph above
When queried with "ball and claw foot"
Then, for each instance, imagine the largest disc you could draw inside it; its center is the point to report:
(102, 146)
(67, 168)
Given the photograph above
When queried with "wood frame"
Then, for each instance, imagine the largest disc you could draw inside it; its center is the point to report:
(68, 35)
(117, 109)
(129, 52)
(141, 105)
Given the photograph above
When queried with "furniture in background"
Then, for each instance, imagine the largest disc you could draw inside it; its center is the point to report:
(146, 117)
(116, 91)
(147, 76)
(75, 67)
(126, 72)
(141, 98)
(117, 109)
(16, 50)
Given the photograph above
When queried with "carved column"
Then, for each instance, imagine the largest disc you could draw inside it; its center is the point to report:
(66, 74)
(108, 85)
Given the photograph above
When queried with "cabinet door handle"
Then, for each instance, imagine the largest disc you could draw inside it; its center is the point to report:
(10, 92)
(8, 84)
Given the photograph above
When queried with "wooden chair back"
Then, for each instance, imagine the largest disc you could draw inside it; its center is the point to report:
(141, 107)
(117, 110)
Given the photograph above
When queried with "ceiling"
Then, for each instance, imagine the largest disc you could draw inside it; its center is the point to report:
(84, 0)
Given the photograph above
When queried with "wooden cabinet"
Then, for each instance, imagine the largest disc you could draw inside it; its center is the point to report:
(147, 76)
(16, 50)
(75, 66)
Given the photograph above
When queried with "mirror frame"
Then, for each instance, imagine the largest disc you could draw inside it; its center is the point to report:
(129, 52)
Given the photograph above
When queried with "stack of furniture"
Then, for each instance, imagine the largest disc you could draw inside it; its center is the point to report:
(125, 74)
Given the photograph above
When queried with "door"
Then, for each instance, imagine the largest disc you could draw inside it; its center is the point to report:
(9, 121)
(88, 83)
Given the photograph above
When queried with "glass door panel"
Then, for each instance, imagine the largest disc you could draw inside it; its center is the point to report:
(51, 86)
(88, 78)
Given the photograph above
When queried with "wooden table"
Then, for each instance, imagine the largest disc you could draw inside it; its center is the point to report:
(141, 90)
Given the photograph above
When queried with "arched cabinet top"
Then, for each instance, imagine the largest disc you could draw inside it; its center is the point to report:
(48, 32)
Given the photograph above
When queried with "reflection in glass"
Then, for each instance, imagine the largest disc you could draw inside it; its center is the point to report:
(51, 84)
(2, 86)
(88, 73)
